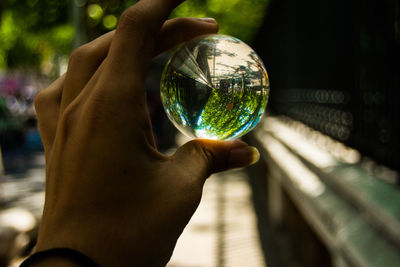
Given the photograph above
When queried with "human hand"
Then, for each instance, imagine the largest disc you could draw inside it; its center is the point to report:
(109, 193)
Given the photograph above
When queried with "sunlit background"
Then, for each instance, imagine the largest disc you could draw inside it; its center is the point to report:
(329, 141)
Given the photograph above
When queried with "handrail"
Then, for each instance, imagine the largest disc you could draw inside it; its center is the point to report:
(355, 214)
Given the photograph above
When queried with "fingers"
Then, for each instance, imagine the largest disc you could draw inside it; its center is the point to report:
(178, 30)
(83, 63)
(47, 105)
(134, 41)
(85, 60)
(203, 157)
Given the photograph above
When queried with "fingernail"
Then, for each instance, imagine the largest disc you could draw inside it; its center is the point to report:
(243, 156)
(208, 20)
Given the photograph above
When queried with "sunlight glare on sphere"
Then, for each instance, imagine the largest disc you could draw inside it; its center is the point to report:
(214, 87)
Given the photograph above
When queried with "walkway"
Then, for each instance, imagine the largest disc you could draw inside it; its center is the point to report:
(222, 232)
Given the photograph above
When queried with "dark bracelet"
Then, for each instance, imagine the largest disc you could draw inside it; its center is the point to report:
(67, 253)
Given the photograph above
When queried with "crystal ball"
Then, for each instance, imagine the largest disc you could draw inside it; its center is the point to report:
(214, 87)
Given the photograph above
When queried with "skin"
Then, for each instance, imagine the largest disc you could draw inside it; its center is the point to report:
(109, 193)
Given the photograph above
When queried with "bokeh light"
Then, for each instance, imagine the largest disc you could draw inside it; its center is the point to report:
(94, 11)
(110, 22)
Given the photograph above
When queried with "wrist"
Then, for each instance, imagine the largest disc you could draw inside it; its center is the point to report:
(62, 257)
(104, 245)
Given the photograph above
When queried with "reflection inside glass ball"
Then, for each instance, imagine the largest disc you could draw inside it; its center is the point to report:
(215, 87)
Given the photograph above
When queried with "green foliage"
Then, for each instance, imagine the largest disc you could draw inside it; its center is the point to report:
(239, 18)
(227, 115)
(33, 30)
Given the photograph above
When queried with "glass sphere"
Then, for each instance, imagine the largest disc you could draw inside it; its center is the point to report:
(215, 87)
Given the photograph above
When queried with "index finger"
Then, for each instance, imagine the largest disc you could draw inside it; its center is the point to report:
(134, 41)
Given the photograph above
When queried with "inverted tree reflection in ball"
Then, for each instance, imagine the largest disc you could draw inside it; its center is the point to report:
(215, 87)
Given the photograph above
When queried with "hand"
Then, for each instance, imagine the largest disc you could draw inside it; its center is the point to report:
(109, 193)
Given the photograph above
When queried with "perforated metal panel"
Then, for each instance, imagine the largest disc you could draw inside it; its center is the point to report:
(334, 65)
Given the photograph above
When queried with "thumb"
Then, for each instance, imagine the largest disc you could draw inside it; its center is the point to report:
(203, 157)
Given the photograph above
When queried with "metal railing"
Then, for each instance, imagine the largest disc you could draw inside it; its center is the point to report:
(309, 183)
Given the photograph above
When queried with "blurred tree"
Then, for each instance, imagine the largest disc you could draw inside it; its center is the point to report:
(32, 31)
(238, 18)
(37, 31)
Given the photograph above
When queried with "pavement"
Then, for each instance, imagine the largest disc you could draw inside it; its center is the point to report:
(222, 231)
(21, 203)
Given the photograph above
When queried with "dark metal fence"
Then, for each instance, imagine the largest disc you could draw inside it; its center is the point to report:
(334, 65)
